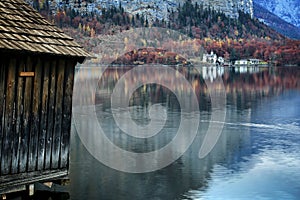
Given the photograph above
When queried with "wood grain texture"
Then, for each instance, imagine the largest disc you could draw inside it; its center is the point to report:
(67, 114)
(51, 113)
(27, 117)
(58, 114)
(9, 122)
(35, 114)
(3, 74)
(44, 116)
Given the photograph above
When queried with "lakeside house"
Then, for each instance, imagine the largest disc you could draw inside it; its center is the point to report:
(36, 84)
(250, 62)
(212, 58)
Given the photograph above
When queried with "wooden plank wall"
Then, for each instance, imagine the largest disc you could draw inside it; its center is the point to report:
(35, 114)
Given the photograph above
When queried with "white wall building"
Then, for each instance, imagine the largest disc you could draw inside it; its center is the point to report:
(210, 58)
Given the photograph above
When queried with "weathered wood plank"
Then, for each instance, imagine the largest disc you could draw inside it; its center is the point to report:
(3, 71)
(26, 124)
(58, 114)
(36, 105)
(51, 106)
(67, 114)
(44, 116)
(19, 116)
(30, 177)
(9, 122)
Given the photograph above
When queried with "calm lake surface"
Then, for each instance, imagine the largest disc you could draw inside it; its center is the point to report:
(256, 157)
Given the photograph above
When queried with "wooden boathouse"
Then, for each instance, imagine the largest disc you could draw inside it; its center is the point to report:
(37, 62)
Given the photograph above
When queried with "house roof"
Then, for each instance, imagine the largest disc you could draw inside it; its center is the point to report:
(22, 28)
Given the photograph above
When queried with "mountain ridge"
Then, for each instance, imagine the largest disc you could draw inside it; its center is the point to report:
(161, 9)
(276, 22)
(288, 10)
(152, 8)
(232, 38)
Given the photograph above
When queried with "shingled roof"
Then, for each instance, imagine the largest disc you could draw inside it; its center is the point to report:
(23, 28)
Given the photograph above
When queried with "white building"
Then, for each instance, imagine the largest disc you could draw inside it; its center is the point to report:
(210, 58)
(241, 62)
(250, 62)
(221, 60)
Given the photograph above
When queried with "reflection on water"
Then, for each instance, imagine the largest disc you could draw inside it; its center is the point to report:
(257, 156)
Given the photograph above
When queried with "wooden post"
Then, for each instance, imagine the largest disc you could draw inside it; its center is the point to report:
(31, 190)
(3, 197)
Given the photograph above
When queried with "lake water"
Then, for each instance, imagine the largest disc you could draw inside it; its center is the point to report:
(257, 155)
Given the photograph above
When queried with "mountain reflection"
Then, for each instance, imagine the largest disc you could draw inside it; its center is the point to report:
(244, 88)
(246, 81)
